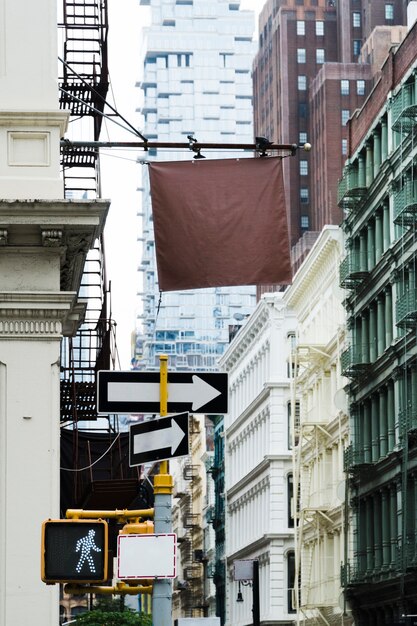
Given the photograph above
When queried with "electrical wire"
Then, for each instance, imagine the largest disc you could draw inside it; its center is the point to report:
(82, 469)
(90, 106)
(132, 128)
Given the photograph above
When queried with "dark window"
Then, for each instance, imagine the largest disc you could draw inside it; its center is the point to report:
(302, 110)
(290, 497)
(290, 580)
(296, 422)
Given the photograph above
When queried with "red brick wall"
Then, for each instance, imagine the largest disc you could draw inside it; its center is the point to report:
(394, 69)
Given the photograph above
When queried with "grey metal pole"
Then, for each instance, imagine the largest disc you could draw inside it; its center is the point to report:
(162, 588)
(162, 488)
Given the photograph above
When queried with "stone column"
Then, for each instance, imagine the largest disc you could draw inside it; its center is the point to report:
(378, 236)
(372, 333)
(384, 140)
(377, 151)
(383, 422)
(367, 443)
(371, 245)
(377, 530)
(375, 452)
(380, 324)
(391, 416)
(361, 171)
(41, 261)
(363, 251)
(388, 316)
(385, 524)
(386, 225)
(369, 167)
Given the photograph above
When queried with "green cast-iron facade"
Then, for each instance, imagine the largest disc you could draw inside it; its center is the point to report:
(378, 193)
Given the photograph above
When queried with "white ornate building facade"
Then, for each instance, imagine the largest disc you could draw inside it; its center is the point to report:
(258, 464)
(320, 434)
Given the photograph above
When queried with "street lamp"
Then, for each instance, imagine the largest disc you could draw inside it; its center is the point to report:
(246, 572)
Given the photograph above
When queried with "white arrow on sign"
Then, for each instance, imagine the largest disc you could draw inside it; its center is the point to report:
(170, 437)
(198, 392)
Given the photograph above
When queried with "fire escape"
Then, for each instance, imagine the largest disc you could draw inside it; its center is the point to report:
(313, 511)
(83, 83)
(192, 556)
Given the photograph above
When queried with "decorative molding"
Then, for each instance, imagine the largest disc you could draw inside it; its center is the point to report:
(72, 225)
(30, 327)
(28, 149)
(52, 238)
(38, 314)
(36, 119)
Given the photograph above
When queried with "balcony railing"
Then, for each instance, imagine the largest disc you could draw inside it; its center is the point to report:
(406, 309)
(355, 361)
(404, 109)
(351, 190)
(356, 572)
(350, 273)
(191, 520)
(354, 458)
(405, 204)
(408, 418)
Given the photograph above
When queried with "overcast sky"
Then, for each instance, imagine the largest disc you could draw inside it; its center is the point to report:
(121, 174)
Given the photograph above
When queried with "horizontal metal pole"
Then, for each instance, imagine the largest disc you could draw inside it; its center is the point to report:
(118, 589)
(194, 147)
(125, 514)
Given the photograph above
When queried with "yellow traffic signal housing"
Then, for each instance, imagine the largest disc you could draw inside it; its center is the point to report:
(138, 528)
(74, 551)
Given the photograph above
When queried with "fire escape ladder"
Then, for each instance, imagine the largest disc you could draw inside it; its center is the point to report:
(307, 567)
(83, 82)
(187, 545)
(83, 85)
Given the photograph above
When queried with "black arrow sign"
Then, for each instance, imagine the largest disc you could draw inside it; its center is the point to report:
(138, 392)
(155, 440)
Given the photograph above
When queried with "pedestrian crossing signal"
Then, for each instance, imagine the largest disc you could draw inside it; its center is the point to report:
(74, 551)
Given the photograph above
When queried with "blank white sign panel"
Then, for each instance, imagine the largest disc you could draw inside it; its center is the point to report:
(146, 556)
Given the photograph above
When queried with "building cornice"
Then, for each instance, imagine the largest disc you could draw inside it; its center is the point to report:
(263, 542)
(16, 118)
(327, 247)
(66, 228)
(39, 314)
(257, 471)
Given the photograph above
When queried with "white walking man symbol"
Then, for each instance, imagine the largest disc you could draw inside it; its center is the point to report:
(85, 545)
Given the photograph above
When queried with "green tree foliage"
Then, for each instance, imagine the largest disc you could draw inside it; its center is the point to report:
(108, 613)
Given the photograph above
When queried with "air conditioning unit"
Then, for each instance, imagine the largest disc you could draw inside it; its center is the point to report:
(200, 556)
(180, 585)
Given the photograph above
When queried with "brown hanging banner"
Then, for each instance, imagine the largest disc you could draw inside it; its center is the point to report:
(220, 223)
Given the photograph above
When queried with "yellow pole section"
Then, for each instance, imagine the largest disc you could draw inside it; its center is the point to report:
(163, 399)
(163, 481)
(163, 385)
(119, 588)
(123, 515)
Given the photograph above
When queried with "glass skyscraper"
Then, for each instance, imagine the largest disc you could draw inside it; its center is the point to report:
(196, 83)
